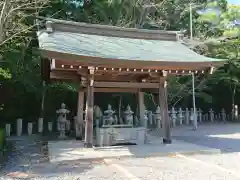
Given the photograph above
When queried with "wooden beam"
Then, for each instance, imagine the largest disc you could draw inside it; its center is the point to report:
(125, 85)
(117, 90)
(164, 111)
(141, 107)
(80, 122)
(64, 76)
(88, 143)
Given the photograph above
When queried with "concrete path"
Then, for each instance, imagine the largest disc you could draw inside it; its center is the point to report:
(74, 150)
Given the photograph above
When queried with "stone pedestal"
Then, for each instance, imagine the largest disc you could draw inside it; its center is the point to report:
(8, 129)
(19, 127)
(30, 128)
(110, 135)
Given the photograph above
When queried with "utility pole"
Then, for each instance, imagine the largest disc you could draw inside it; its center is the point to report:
(194, 103)
(193, 78)
(191, 21)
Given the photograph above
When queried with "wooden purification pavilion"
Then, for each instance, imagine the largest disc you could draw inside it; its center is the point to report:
(114, 59)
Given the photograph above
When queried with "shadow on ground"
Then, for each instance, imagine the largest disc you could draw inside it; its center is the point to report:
(28, 158)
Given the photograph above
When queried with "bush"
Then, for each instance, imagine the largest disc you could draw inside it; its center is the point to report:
(2, 139)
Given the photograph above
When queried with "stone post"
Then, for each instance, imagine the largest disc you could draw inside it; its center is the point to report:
(116, 119)
(146, 119)
(206, 117)
(154, 120)
(145, 125)
(98, 135)
(180, 116)
(191, 116)
(68, 125)
(49, 126)
(102, 136)
(150, 118)
(199, 115)
(211, 114)
(223, 114)
(158, 117)
(30, 128)
(187, 116)
(19, 127)
(8, 129)
(40, 125)
(136, 121)
(174, 116)
(236, 112)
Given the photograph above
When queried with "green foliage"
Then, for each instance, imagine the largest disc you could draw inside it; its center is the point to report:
(4, 73)
(2, 139)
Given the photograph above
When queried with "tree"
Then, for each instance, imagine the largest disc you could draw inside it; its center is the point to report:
(16, 38)
(16, 16)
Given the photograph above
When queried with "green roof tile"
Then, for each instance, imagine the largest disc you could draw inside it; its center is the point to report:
(118, 47)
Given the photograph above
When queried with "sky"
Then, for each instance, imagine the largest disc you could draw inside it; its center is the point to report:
(237, 2)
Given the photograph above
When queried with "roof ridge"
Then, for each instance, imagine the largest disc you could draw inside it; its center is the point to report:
(106, 30)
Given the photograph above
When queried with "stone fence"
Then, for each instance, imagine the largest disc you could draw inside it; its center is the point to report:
(152, 120)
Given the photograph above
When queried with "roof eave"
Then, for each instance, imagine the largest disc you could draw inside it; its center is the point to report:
(98, 61)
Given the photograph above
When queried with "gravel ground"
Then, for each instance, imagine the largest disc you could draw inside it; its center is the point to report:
(29, 161)
(199, 167)
(177, 168)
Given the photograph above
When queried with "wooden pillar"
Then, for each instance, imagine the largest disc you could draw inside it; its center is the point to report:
(141, 107)
(164, 111)
(89, 110)
(80, 122)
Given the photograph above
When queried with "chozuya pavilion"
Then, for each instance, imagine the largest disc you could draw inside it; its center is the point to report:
(114, 59)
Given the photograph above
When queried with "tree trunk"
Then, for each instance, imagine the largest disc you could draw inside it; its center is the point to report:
(4, 20)
(44, 90)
